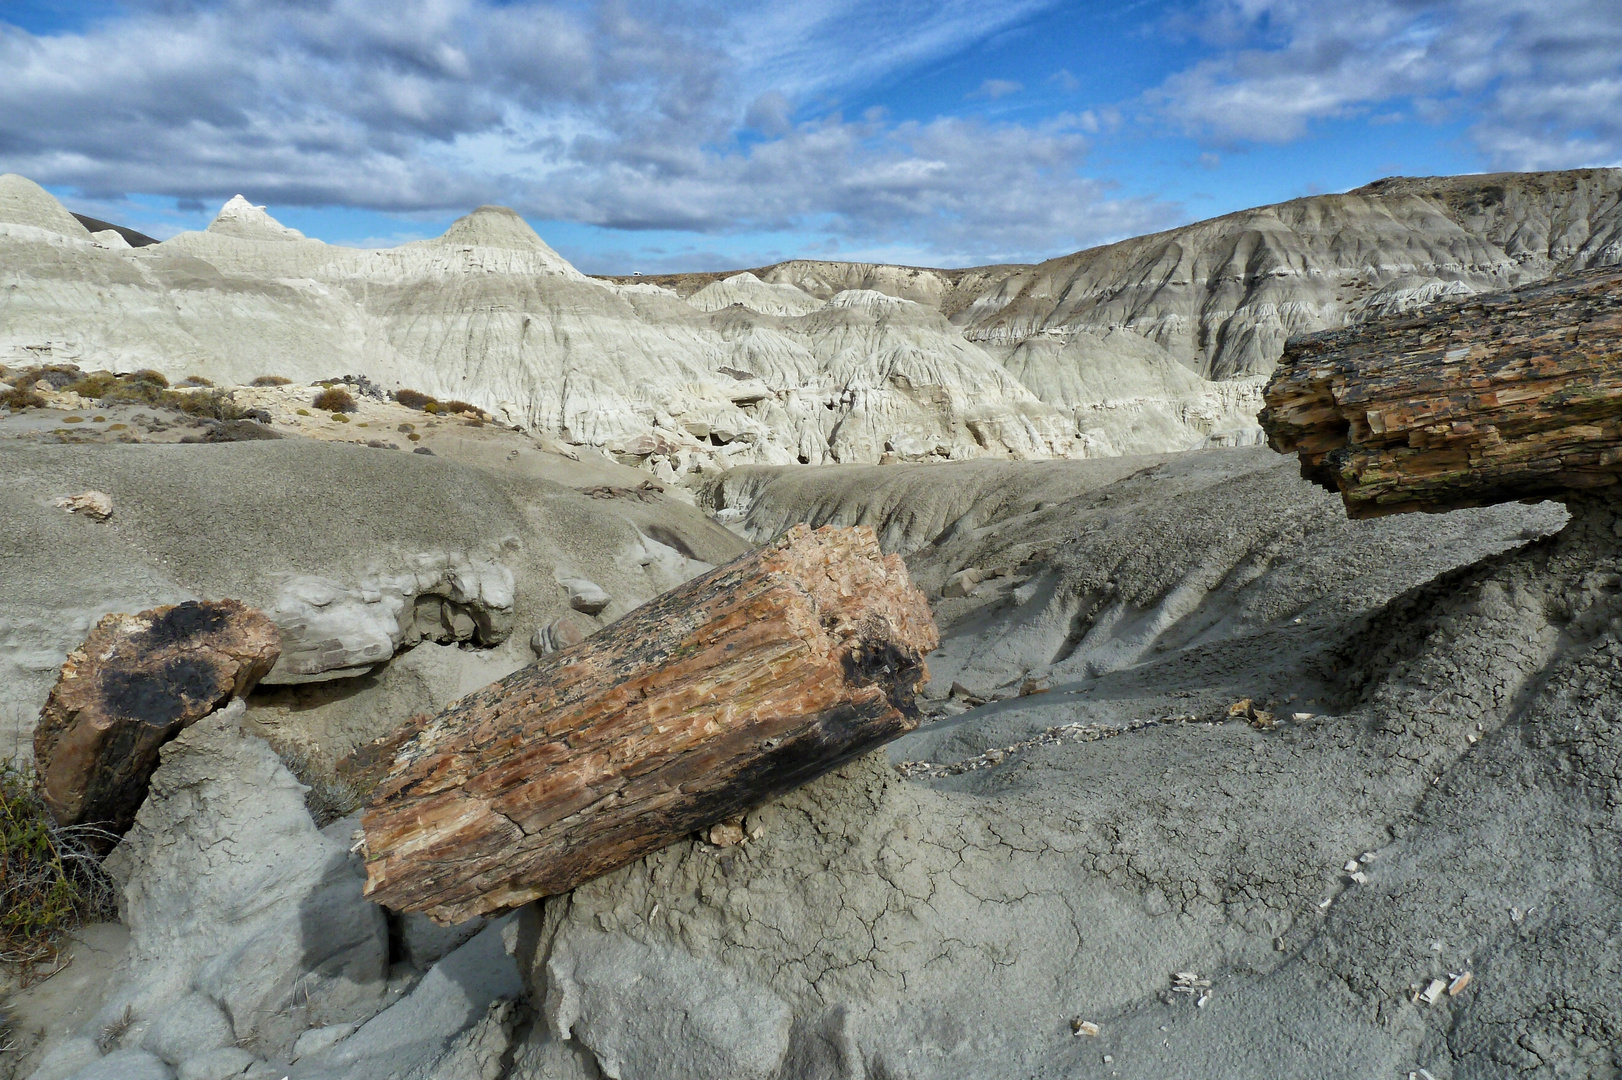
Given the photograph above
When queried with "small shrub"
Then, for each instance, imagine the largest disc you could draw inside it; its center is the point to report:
(196, 380)
(461, 407)
(340, 418)
(271, 380)
(335, 399)
(302, 412)
(94, 385)
(413, 399)
(50, 881)
(22, 397)
(432, 408)
(406, 427)
(150, 377)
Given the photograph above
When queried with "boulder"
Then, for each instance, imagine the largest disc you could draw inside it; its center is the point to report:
(234, 899)
(561, 633)
(584, 595)
(136, 682)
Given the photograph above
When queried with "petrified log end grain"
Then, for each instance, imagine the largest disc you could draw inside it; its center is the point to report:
(738, 685)
(133, 685)
(1512, 396)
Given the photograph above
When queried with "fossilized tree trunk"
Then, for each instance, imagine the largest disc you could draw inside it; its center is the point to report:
(131, 687)
(740, 684)
(1512, 396)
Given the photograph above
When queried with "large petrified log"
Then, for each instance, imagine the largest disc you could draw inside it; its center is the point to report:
(741, 684)
(133, 685)
(1517, 395)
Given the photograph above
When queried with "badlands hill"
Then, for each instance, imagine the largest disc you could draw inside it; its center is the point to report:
(1153, 344)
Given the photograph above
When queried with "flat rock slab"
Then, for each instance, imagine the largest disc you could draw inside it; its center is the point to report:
(732, 688)
(135, 683)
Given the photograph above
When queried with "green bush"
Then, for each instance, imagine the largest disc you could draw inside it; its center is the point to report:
(50, 880)
(335, 399)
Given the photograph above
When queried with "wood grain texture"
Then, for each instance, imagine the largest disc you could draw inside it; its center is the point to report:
(135, 683)
(1517, 395)
(741, 684)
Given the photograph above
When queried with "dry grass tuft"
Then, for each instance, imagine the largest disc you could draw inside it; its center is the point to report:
(271, 380)
(414, 399)
(196, 380)
(50, 880)
(335, 399)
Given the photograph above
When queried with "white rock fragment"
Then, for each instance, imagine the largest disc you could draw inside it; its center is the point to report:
(1433, 992)
(1351, 865)
(95, 505)
(584, 595)
(1084, 1027)
(1460, 981)
(1359, 877)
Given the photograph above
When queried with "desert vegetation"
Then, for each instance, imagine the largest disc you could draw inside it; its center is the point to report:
(50, 882)
(335, 399)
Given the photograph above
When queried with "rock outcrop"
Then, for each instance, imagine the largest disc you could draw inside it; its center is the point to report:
(1153, 344)
(1512, 396)
(737, 686)
(135, 683)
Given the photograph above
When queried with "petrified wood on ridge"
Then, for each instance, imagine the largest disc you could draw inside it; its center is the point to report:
(738, 685)
(134, 684)
(1517, 395)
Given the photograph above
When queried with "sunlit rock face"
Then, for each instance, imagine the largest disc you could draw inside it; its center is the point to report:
(1152, 344)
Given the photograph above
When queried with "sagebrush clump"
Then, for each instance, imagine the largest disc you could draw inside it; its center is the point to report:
(414, 399)
(50, 881)
(335, 399)
(271, 380)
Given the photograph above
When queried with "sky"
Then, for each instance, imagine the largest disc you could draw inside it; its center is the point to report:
(696, 135)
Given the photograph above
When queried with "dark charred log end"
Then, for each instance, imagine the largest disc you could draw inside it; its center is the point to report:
(185, 622)
(185, 686)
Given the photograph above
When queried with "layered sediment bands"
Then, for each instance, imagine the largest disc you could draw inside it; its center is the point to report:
(739, 685)
(1513, 396)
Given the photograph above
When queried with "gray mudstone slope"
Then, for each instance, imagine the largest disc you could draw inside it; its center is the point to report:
(405, 580)
(1458, 745)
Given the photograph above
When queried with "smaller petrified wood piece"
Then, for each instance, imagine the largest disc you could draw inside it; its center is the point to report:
(1512, 396)
(738, 685)
(134, 684)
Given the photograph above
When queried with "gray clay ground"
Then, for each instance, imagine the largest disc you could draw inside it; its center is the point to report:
(1448, 687)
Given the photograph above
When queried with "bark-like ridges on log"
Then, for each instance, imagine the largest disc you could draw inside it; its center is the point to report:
(739, 685)
(1511, 396)
(133, 685)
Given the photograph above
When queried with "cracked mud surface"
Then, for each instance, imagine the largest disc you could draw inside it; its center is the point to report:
(1462, 755)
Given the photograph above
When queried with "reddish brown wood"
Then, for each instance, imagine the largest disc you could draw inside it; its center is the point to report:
(741, 684)
(1512, 396)
(133, 685)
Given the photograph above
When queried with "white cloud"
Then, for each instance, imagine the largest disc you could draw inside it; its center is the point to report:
(563, 110)
(998, 88)
(1542, 78)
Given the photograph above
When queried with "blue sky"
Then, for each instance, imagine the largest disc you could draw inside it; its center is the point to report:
(697, 134)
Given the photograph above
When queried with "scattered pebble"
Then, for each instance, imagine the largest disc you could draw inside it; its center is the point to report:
(1084, 1027)
(1460, 981)
(1433, 992)
(995, 756)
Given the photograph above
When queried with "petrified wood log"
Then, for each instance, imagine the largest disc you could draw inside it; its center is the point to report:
(740, 684)
(1512, 396)
(133, 685)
